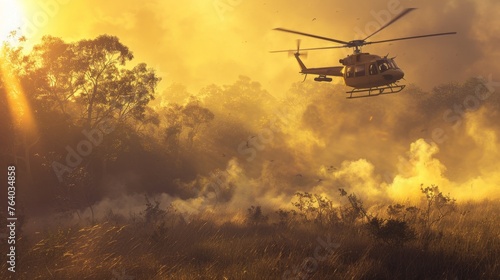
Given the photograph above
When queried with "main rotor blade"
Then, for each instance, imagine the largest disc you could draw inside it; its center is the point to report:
(283, 51)
(311, 49)
(311, 35)
(402, 14)
(324, 48)
(412, 37)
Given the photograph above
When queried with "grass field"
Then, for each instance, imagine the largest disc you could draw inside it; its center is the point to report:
(313, 242)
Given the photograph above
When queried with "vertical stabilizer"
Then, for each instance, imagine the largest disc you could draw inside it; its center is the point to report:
(302, 65)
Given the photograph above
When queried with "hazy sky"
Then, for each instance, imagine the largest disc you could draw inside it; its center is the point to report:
(201, 42)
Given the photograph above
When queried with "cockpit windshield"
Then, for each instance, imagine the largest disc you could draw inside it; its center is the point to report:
(393, 62)
(383, 65)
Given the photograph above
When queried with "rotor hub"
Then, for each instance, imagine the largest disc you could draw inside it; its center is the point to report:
(357, 43)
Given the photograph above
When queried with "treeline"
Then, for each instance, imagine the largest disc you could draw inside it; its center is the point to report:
(81, 115)
(83, 122)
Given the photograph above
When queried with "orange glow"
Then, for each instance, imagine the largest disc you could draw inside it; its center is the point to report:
(11, 16)
(19, 107)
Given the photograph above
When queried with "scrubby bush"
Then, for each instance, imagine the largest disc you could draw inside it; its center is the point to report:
(437, 206)
(390, 231)
(156, 219)
(255, 216)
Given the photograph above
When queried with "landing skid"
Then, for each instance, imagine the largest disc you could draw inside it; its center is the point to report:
(375, 91)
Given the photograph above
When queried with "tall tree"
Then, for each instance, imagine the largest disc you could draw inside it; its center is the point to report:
(87, 80)
(73, 88)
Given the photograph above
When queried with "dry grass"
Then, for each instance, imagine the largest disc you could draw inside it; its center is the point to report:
(465, 245)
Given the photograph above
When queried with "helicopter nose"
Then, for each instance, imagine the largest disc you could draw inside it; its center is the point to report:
(400, 74)
(393, 75)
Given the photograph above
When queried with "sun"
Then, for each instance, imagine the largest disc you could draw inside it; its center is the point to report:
(11, 17)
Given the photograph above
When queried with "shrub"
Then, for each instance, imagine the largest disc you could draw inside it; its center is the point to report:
(391, 231)
(437, 205)
(255, 216)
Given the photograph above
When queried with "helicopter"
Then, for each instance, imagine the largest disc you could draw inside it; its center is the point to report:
(368, 74)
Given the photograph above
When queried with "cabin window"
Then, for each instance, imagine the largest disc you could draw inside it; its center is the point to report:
(383, 65)
(373, 69)
(359, 70)
(349, 72)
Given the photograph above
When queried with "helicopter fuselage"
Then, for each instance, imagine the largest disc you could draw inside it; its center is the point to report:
(364, 70)
(359, 70)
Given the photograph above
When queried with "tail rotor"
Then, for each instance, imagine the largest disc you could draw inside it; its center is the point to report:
(294, 52)
(297, 52)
